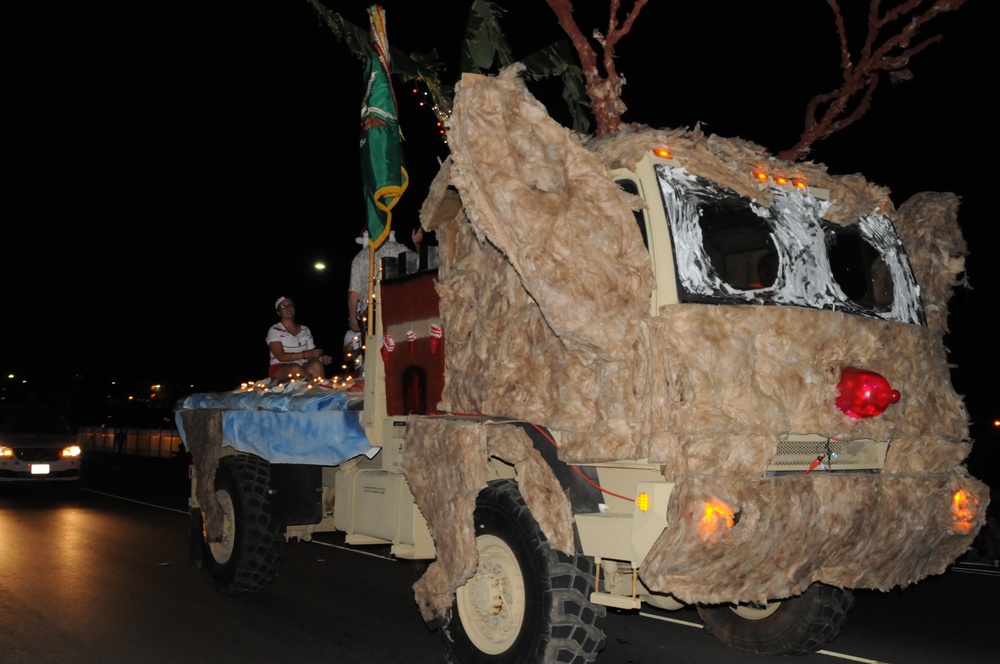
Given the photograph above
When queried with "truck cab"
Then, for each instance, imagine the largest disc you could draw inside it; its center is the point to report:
(724, 349)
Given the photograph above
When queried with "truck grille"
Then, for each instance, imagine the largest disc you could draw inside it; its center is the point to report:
(795, 454)
(38, 453)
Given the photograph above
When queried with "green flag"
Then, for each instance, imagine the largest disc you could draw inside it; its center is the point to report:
(382, 171)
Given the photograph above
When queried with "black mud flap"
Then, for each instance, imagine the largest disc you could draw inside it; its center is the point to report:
(196, 539)
(296, 494)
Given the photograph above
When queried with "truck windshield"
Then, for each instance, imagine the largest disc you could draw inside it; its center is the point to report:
(733, 250)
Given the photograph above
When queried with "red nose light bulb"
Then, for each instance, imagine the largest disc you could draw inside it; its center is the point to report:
(864, 393)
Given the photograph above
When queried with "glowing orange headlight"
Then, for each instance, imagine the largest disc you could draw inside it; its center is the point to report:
(716, 518)
(963, 508)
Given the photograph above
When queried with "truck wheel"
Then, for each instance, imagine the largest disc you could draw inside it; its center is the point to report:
(795, 626)
(526, 602)
(246, 558)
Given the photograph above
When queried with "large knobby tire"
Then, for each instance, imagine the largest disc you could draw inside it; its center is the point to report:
(795, 626)
(527, 603)
(247, 557)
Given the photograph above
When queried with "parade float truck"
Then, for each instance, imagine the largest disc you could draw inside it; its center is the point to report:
(657, 367)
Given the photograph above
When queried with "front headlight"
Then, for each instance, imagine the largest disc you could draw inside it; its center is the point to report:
(6, 451)
(964, 508)
(72, 451)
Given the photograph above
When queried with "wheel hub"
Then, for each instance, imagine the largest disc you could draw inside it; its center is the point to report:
(487, 593)
(223, 549)
(491, 603)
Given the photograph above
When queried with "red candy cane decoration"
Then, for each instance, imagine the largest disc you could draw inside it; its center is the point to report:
(389, 345)
(437, 333)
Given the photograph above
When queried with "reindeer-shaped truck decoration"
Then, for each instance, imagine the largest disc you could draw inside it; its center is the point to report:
(656, 366)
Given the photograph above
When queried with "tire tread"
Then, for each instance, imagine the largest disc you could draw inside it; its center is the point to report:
(815, 619)
(261, 545)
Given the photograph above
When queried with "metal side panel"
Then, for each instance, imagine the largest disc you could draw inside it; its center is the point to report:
(376, 507)
(627, 536)
(606, 535)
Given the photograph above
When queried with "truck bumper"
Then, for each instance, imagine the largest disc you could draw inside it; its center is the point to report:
(776, 536)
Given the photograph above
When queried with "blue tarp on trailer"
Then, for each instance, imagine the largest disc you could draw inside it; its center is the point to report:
(320, 427)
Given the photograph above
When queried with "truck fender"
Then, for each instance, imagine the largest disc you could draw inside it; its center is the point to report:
(579, 483)
(468, 444)
(543, 494)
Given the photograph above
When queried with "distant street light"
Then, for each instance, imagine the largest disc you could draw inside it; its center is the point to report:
(320, 266)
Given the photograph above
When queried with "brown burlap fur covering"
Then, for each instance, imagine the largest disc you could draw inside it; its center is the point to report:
(545, 287)
(203, 432)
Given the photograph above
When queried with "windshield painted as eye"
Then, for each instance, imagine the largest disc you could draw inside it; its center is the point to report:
(730, 249)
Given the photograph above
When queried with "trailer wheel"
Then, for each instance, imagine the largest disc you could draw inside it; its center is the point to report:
(795, 626)
(246, 558)
(526, 602)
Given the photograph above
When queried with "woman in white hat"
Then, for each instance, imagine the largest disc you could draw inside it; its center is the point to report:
(293, 352)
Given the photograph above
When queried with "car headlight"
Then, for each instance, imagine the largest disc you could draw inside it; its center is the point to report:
(71, 451)
(6, 451)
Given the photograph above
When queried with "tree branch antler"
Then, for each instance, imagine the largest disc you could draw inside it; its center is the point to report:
(832, 111)
(604, 91)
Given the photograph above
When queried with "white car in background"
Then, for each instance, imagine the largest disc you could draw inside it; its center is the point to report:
(36, 445)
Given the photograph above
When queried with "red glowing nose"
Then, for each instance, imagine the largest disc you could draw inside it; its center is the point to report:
(864, 393)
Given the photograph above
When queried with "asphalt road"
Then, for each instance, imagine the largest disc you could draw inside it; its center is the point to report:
(101, 575)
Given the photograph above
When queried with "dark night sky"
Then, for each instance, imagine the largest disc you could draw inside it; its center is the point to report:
(174, 170)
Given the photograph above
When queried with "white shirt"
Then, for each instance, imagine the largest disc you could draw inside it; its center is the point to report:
(291, 343)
